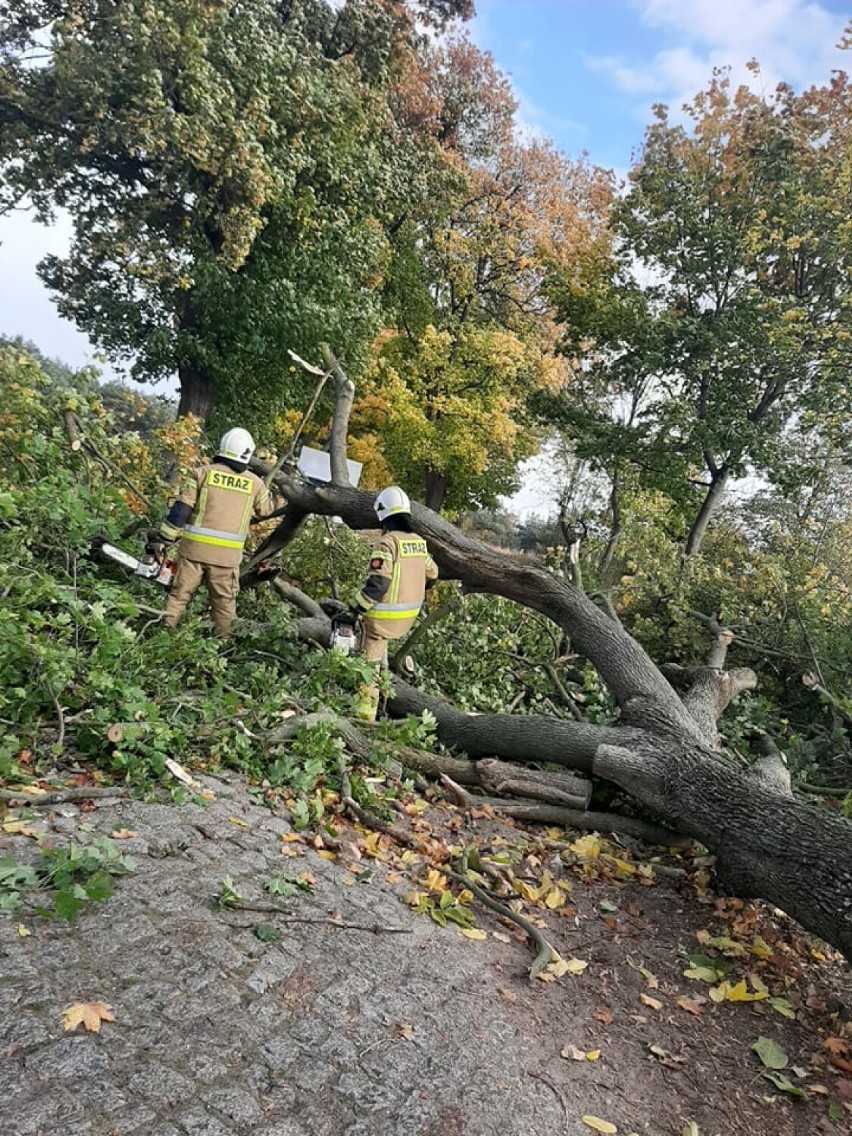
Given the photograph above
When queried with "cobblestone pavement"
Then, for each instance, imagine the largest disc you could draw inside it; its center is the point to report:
(323, 1032)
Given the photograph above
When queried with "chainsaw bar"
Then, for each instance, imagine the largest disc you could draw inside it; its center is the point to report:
(149, 569)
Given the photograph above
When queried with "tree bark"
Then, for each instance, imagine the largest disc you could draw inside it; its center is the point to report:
(197, 395)
(345, 396)
(719, 479)
(436, 489)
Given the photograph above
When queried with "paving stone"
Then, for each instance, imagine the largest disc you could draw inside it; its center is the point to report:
(159, 1082)
(71, 1059)
(198, 1123)
(235, 1104)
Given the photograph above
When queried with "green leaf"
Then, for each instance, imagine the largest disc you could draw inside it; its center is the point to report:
(67, 905)
(770, 1053)
(782, 1007)
(783, 1083)
(265, 933)
(280, 885)
(99, 887)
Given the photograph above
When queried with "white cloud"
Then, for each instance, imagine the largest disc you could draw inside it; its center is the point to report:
(793, 40)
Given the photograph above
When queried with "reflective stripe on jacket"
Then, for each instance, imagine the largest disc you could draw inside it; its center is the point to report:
(223, 503)
(403, 559)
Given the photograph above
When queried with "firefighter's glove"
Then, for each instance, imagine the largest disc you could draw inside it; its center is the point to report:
(155, 544)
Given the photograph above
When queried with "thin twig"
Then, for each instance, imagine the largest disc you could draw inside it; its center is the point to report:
(545, 953)
(375, 928)
(87, 445)
(60, 741)
(60, 797)
(550, 1085)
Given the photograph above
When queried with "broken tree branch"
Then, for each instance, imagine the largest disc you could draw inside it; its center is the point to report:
(532, 812)
(345, 396)
(545, 953)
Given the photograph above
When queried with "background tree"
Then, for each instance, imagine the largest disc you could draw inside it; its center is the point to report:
(229, 170)
(472, 335)
(726, 311)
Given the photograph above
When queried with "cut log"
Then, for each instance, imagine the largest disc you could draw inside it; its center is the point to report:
(505, 780)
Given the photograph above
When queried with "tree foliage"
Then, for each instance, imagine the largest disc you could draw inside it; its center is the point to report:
(230, 172)
(471, 333)
(725, 315)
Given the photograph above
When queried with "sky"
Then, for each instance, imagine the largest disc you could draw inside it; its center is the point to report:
(586, 73)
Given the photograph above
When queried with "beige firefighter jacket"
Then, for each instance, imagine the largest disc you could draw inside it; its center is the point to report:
(404, 560)
(223, 503)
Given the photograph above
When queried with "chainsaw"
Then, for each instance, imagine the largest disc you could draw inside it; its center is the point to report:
(153, 565)
(346, 632)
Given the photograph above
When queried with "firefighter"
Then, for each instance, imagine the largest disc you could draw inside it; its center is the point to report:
(211, 517)
(400, 571)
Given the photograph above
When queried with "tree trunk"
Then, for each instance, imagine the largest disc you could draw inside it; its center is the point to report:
(709, 507)
(436, 489)
(768, 844)
(197, 395)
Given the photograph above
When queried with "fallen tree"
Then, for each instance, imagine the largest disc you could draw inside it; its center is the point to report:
(664, 748)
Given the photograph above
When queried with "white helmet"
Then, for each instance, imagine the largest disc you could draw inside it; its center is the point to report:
(390, 502)
(237, 444)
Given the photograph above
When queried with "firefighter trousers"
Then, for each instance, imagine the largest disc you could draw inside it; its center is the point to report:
(222, 583)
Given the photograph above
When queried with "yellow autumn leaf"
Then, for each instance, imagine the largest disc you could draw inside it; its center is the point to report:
(587, 847)
(599, 1125)
(652, 1003)
(622, 868)
(326, 854)
(760, 948)
(740, 993)
(293, 837)
(562, 966)
(89, 1014)
(465, 896)
(122, 834)
(554, 899)
(473, 933)
(592, 1054)
(530, 894)
(436, 881)
(719, 993)
(23, 931)
(239, 821)
(18, 827)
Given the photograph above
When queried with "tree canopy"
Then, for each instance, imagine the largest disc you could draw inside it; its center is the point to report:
(725, 314)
